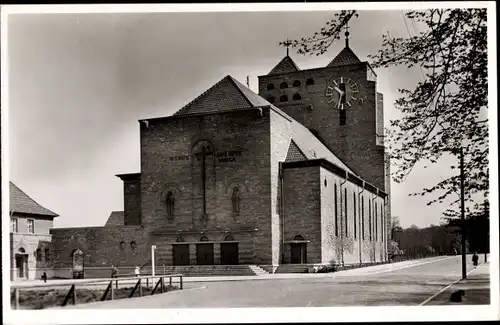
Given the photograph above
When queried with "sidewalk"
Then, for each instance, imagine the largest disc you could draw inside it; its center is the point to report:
(476, 287)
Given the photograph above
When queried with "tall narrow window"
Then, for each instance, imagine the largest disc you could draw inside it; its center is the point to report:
(354, 209)
(283, 85)
(363, 217)
(345, 206)
(270, 87)
(342, 117)
(31, 226)
(370, 219)
(336, 212)
(14, 224)
(47, 253)
(376, 222)
(283, 98)
(310, 82)
(38, 254)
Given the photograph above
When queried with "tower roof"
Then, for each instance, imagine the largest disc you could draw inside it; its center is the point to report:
(226, 95)
(345, 57)
(284, 66)
(20, 202)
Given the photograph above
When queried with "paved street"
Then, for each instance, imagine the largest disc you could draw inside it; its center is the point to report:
(399, 284)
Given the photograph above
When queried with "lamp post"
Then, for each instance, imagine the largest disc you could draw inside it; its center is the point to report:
(153, 247)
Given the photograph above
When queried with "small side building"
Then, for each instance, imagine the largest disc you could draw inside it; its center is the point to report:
(31, 249)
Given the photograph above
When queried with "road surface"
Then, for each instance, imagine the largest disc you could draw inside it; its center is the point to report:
(398, 284)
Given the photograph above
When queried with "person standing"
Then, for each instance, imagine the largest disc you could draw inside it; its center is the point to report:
(44, 276)
(475, 259)
(137, 271)
(114, 271)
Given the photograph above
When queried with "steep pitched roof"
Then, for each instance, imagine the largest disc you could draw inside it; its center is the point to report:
(226, 95)
(346, 56)
(116, 218)
(284, 66)
(294, 153)
(20, 202)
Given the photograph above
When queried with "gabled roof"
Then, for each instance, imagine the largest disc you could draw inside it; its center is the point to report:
(226, 95)
(20, 202)
(284, 66)
(294, 153)
(116, 218)
(346, 56)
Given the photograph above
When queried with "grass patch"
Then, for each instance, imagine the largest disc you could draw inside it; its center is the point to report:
(41, 299)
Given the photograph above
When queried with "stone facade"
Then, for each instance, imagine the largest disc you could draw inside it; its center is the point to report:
(230, 173)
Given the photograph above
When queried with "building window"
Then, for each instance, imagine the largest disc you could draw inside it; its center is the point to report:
(370, 219)
(271, 99)
(363, 217)
(298, 237)
(31, 226)
(354, 206)
(14, 225)
(376, 221)
(270, 87)
(133, 245)
(38, 254)
(180, 239)
(47, 254)
(229, 238)
(296, 83)
(310, 82)
(345, 205)
(342, 117)
(122, 245)
(284, 98)
(283, 85)
(204, 238)
(297, 97)
(336, 211)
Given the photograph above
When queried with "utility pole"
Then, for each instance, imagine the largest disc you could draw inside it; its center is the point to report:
(462, 214)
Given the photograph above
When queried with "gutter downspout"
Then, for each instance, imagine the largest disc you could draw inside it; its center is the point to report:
(360, 222)
(342, 220)
(282, 213)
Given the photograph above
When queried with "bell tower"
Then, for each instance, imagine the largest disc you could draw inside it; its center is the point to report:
(339, 104)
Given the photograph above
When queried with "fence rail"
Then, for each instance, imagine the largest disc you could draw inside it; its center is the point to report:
(157, 280)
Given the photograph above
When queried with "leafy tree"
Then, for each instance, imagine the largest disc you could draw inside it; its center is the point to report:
(442, 112)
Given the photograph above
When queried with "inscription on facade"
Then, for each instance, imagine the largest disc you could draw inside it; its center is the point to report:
(221, 156)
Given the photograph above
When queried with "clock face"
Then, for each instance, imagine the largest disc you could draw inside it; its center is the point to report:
(342, 92)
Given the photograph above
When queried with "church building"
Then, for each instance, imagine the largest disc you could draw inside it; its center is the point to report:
(296, 174)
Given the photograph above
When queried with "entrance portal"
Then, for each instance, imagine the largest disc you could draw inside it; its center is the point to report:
(22, 266)
(229, 254)
(298, 253)
(205, 254)
(180, 254)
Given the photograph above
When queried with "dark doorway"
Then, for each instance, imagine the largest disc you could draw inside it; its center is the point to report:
(21, 265)
(180, 254)
(298, 253)
(229, 254)
(205, 254)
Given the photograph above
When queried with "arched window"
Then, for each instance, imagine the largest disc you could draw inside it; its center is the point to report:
(38, 254)
(283, 85)
(297, 97)
(363, 217)
(270, 87)
(370, 219)
(228, 238)
(47, 254)
(376, 222)
(271, 99)
(336, 212)
(180, 239)
(296, 83)
(354, 205)
(310, 82)
(133, 245)
(204, 238)
(298, 237)
(22, 250)
(284, 98)
(345, 205)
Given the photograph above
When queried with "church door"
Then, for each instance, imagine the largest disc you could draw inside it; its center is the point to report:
(298, 253)
(180, 254)
(21, 265)
(205, 254)
(229, 254)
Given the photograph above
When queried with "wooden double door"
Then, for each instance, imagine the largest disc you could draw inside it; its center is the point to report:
(298, 253)
(229, 254)
(180, 254)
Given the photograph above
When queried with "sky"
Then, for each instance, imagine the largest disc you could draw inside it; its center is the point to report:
(79, 83)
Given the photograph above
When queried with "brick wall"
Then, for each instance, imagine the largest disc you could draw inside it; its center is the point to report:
(240, 142)
(132, 202)
(303, 210)
(101, 245)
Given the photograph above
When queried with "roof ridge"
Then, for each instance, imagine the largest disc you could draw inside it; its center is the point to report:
(235, 83)
(344, 57)
(31, 199)
(188, 105)
(287, 58)
(298, 147)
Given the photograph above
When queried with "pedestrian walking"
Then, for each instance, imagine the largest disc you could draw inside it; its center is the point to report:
(44, 276)
(475, 259)
(137, 271)
(114, 271)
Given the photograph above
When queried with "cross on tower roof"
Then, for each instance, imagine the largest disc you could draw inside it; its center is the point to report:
(347, 34)
(287, 43)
